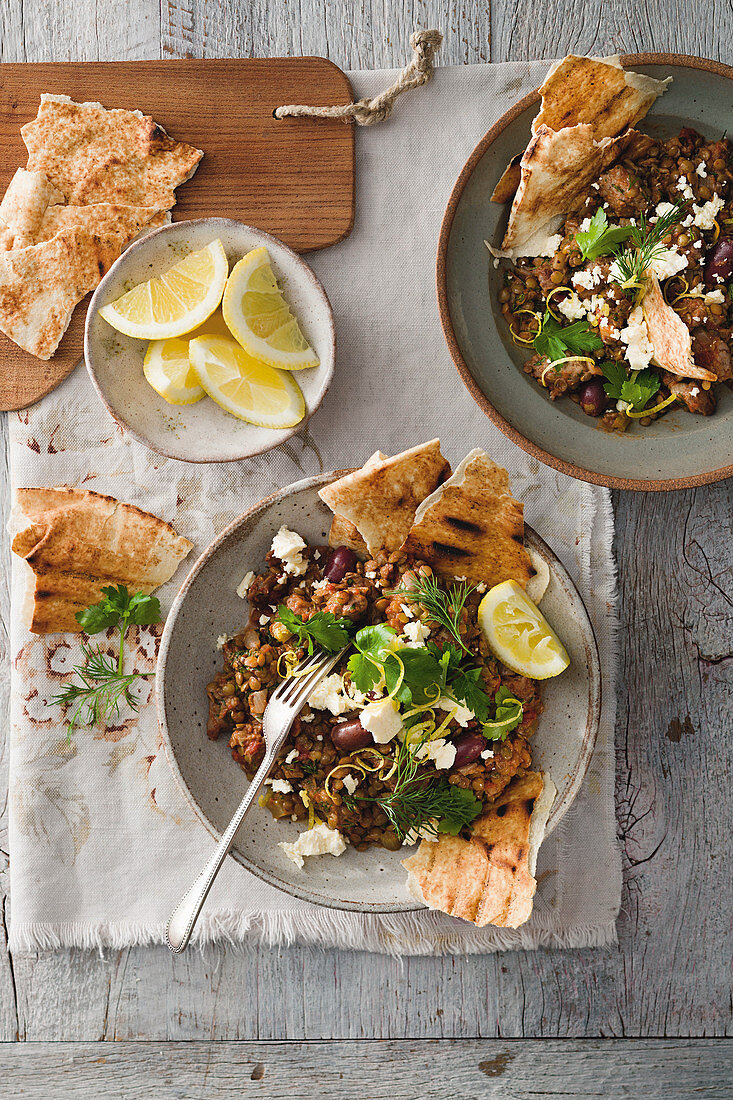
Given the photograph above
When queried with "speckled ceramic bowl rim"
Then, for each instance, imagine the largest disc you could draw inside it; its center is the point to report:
(297, 260)
(470, 382)
(559, 808)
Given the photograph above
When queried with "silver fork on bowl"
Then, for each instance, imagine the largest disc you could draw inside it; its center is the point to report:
(282, 708)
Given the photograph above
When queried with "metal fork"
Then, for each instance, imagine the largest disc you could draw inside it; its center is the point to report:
(282, 708)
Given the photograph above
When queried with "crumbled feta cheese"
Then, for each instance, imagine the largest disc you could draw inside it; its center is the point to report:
(221, 641)
(441, 752)
(615, 272)
(382, 719)
(428, 831)
(462, 716)
(662, 209)
(584, 279)
(281, 786)
(487, 754)
(407, 611)
(584, 225)
(684, 186)
(370, 574)
(318, 841)
(639, 349)
(243, 587)
(667, 262)
(264, 620)
(350, 782)
(482, 587)
(292, 755)
(596, 186)
(701, 170)
(329, 695)
(705, 215)
(417, 632)
(307, 717)
(287, 546)
(316, 555)
(572, 307)
(318, 585)
(694, 391)
(710, 297)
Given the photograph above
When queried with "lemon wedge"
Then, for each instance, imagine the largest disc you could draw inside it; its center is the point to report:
(260, 318)
(167, 368)
(175, 302)
(518, 633)
(245, 387)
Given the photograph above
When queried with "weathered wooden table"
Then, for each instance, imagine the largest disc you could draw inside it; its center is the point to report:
(667, 983)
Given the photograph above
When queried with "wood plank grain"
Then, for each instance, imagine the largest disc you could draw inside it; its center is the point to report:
(665, 975)
(462, 1070)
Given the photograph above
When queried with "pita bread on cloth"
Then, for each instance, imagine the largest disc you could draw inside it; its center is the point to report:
(472, 526)
(489, 878)
(95, 155)
(669, 335)
(381, 499)
(77, 541)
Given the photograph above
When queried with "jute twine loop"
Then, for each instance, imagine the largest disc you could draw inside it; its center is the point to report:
(368, 111)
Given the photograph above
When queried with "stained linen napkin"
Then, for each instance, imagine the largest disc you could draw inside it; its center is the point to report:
(88, 816)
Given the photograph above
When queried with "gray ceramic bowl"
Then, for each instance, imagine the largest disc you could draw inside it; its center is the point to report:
(207, 606)
(680, 449)
(202, 432)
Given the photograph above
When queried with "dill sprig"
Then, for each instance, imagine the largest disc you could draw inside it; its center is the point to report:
(443, 607)
(643, 246)
(420, 803)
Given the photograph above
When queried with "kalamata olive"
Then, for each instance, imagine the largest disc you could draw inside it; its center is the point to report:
(720, 263)
(593, 399)
(350, 735)
(342, 562)
(469, 747)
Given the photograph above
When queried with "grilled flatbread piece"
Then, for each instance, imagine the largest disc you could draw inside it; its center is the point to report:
(342, 531)
(670, 336)
(23, 207)
(41, 284)
(597, 91)
(77, 541)
(472, 526)
(381, 499)
(93, 155)
(557, 169)
(488, 879)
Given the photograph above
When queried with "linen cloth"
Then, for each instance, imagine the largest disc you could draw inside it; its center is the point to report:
(102, 841)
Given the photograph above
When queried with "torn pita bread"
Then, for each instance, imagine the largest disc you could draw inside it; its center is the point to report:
(587, 90)
(669, 335)
(557, 169)
(23, 207)
(76, 541)
(381, 499)
(342, 531)
(597, 91)
(472, 526)
(41, 284)
(488, 879)
(95, 155)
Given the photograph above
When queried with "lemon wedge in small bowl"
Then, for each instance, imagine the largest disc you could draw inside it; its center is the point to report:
(245, 387)
(519, 634)
(174, 302)
(259, 317)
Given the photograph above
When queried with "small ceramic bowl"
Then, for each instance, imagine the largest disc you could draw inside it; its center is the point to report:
(677, 451)
(202, 432)
(207, 606)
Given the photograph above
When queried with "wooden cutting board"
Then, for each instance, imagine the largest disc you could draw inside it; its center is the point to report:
(291, 177)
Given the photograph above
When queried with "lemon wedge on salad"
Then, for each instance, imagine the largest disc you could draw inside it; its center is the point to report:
(245, 387)
(175, 302)
(260, 318)
(519, 634)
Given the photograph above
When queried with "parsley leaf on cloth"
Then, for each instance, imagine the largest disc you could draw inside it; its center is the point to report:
(600, 239)
(636, 389)
(556, 341)
(323, 629)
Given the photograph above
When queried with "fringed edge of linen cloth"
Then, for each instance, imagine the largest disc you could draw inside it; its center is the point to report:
(417, 933)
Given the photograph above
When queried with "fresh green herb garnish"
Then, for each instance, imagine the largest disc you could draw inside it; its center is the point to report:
(599, 238)
(417, 802)
(636, 389)
(645, 244)
(322, 629)
(508, 715)
(373, 644)
(555, 341)
(443, 607)
(104, 685)
(468, 688)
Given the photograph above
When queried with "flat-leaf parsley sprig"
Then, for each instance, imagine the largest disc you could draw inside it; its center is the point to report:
(557, 342)
(600, 238)
(636, 389)
(103, 685)
(322, 629)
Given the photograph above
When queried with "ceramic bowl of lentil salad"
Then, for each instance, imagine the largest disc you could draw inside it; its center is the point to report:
(202, 690)
(555, 391)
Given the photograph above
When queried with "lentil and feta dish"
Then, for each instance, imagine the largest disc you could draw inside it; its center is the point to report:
(665, 209)
(416, 731)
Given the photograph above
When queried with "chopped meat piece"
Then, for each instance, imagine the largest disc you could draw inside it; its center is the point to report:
(712, 352)
(622, 190)
(563, 380)
(691, 393)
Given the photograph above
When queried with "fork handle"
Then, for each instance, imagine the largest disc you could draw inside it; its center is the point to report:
(183, 918)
